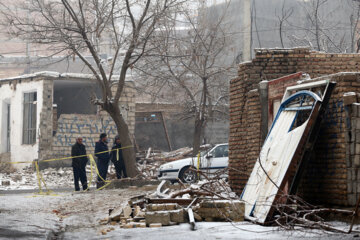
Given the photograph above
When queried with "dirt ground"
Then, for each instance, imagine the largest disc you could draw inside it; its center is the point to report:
(69, 215)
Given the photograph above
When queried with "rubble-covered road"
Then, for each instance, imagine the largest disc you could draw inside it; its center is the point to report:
(69, 215)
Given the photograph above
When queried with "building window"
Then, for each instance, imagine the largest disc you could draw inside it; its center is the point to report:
(29, 129)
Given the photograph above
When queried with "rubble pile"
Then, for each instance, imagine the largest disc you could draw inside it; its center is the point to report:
(208, 200)
(27, 178)
(148, 162)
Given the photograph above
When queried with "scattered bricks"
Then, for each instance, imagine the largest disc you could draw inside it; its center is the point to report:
(5, 183)
(155, 225)
(115, 214)
(178, 216)
(157, 217)
(208, 219)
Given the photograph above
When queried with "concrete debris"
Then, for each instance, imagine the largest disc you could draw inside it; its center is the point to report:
(219, 204)
(116, 214)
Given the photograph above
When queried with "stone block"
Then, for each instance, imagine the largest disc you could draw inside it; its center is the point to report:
(157, 217)
(178, 216)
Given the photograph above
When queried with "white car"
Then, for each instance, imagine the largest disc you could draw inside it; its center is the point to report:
(211, 161)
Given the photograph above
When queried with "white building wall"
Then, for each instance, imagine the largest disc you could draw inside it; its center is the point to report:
(14, 94)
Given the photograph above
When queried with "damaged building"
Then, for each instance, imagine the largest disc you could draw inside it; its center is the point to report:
(333, 171)
(42, 114)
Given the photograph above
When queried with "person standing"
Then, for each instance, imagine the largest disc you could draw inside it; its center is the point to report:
(117, 158)
(103, 157)
(78, 151)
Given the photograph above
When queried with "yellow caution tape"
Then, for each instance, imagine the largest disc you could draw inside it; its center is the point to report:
(198, 165)
(65, 158)
(93, 165)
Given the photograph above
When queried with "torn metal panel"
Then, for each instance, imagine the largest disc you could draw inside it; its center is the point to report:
(281, 151)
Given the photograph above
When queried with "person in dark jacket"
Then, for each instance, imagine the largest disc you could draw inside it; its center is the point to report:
(117, 158)
(103, 158)
(79, 164)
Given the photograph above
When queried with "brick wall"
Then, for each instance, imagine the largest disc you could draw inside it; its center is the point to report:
(70, 126)
(245, 136)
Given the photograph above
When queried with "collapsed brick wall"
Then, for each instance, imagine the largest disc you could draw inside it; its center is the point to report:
(272, 64)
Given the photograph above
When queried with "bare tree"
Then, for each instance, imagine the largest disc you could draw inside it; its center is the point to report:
(283, 17)
(76, 27)
(354, 24)
(320, 30)
(190, 61)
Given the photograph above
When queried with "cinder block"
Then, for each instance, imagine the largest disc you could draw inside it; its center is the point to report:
(157, 217)
(178, 216)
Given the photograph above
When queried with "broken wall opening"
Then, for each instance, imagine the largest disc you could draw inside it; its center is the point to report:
(71, 96)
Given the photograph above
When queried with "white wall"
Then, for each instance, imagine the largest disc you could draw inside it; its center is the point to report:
(15, 96)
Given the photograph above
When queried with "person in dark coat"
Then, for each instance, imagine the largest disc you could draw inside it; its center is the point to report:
(79, 164)
(103, 158)
(118, 159)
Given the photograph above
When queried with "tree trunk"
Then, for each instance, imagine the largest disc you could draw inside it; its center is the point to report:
(199, 122)
(123, 131)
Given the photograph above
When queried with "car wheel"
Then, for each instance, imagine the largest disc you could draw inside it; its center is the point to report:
(187, 176)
